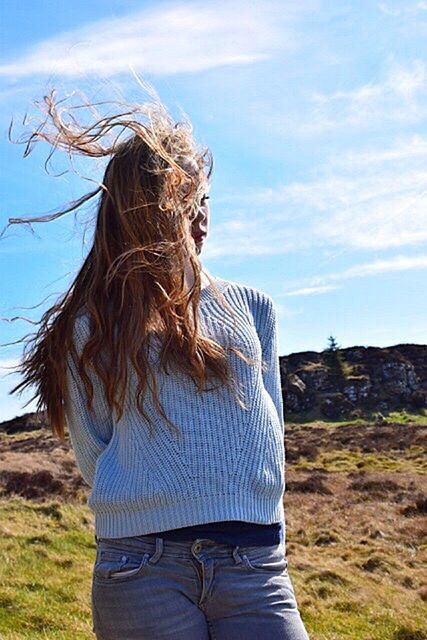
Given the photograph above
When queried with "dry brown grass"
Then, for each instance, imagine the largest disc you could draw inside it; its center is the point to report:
(355, 517)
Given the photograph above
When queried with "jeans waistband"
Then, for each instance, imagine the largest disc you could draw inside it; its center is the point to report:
(149, 543)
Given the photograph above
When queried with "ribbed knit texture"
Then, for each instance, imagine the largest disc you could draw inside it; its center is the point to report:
(230, 462)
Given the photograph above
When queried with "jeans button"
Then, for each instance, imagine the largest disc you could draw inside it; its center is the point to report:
(197, 547)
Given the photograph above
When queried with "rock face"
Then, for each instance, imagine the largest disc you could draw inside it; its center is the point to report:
(373, 380)
(370, 379)
(27, 422)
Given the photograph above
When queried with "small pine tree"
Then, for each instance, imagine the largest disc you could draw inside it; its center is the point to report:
(333, 344)
(333, 360)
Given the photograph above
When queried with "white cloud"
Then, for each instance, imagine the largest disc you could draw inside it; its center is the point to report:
(399, 98)
(177, 38)
(374, 199)
(309, 291)
(7, 365)
(376, 267)
(405, 9)
(245, 234)
(405, 149)
(389, 11)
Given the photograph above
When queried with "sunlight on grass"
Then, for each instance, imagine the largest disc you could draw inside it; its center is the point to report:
(413, 459)
(47, 556)
(48, 551)
(313, 418)
(356, 551)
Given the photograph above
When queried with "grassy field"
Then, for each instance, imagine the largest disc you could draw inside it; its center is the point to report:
(356, 541)
(47, 552)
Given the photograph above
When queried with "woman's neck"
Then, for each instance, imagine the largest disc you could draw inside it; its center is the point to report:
(189, 277)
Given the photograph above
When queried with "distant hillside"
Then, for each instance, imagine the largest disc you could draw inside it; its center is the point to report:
(355, 382)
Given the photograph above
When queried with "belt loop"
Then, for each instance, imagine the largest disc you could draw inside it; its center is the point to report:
(158, 552)
(236, 555)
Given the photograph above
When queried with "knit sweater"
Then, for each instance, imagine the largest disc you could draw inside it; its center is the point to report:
(228, 463)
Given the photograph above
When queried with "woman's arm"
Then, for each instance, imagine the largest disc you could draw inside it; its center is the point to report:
(90, 432)
(268, 334)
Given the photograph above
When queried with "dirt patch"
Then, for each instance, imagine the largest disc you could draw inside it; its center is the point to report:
(417, 509)
(314, 483)
(37, 466)
(307, 441)
(374, 486)
(30, 484)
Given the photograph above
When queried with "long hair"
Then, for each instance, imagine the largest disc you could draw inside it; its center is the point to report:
(132, 281)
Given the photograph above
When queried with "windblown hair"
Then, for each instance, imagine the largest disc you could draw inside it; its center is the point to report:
(131, 283)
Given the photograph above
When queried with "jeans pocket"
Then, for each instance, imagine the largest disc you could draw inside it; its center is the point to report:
(113, 565)
(265, 558)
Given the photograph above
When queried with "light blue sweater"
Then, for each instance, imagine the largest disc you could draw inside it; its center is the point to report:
(230, 462)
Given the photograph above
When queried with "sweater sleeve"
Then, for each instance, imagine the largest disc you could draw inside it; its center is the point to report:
(90, 432)
(269, 336)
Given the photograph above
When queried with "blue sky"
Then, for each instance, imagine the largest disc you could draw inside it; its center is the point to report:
(315, 112)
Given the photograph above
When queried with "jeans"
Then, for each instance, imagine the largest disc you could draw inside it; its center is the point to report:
(148, 588)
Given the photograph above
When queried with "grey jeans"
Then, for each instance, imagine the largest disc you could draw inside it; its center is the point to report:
(148, 588)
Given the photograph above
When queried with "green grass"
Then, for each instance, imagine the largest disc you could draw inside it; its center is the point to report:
(412, 459)
(350, 585)
(47, 554)
(402, 417)
(350, 604)
(399, 417)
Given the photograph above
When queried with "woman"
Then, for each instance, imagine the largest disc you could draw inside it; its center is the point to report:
(168, 380)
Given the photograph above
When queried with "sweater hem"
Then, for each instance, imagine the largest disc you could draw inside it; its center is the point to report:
(139, 520)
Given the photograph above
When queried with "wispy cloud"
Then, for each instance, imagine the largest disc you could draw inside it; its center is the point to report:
(406, 8)
(176, 38)
(359, 200)
(406, 149)
(396, 98)
(7, 365)
(310, 291)
(376, 267)
(389, 11)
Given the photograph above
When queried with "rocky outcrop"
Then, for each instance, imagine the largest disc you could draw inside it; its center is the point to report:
(27, 422)
(374, 380)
